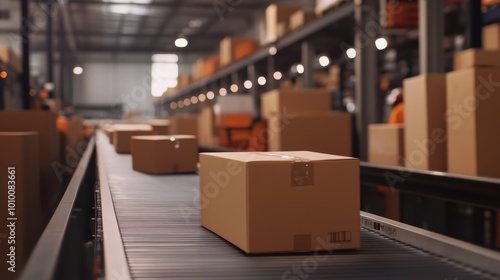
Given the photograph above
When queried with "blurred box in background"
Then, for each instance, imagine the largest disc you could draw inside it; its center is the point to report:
(386, 144)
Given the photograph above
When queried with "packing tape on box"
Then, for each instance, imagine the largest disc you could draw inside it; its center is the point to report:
(302, 169)
(177, 143)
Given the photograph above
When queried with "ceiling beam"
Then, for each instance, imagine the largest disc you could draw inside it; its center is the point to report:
(202, 6)
(166, 21)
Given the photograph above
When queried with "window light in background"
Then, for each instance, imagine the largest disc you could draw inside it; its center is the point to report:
(164, 73)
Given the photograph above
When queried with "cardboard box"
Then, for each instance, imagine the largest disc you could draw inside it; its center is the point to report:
(211, 65)
(228, 49)
(291, 101)
(21, 192)
(329, 132)
(276, 14)
(425, 124)
(123, 132)
(160, 154)
(386, 144)
(9, 57)
(184, 80)
(473, 99)
(491, 37)
(184, 125)
(207, 132)
(197, 69)
(52, 166)
(325, 5)
(476, 57)
(310, 203)
(244, 49)
(300, 18)
(160, 126)
(402, 14)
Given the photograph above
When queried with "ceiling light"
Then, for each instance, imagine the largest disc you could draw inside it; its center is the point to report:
(300, 68)
(277, 75)
(78, 70)
(181, 42)
(202, 97)
(261, 80)
(248, 84)
(187, 102)
(234, 88)
(173, 105)
(210, 95)
(223, 92)
(194, 100)
(324, 61)
(273, 50)
(351, 53)
(180, 104)
(3, 74)
(381, 43)
(127, 9)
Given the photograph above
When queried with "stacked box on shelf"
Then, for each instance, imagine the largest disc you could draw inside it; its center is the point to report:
(402, 14)
(20, 198)
(234, 118)
(472, 113)
(211, 65)
(184, 80)
(53, 168)
(235, 48)
(277, 20)
(299, 19)
(300, 119)
(325, 5)
(197, 69)
(425, 124)
(9, 57)
(491, 37)
(207, 132)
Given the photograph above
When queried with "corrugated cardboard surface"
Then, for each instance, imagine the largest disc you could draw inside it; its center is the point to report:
(20, 150)
(267, 214)
(44, 123)
(425, 107)
(329, 132)
(184, 125)
(164, 154)
(160, 126)
(473, 135)
(207, 133)
(123, 132)
(286, 101)
(386, 144)
(276, 14)
(491, 37)
(300, 18)
(476, 57)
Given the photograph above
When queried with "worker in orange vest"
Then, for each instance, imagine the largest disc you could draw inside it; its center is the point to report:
(398, 107)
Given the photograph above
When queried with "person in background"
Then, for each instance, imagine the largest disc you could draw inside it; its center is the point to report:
(398, 108)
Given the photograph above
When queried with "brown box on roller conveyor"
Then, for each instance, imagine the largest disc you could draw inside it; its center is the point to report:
(123, 132)
(160, 126)
(164, 154)
(297, 209)
(20, 200)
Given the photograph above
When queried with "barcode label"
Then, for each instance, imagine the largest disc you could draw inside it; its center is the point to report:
(340, 237)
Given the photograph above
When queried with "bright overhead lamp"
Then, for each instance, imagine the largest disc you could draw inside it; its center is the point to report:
(202, 97)
(78, 70)
(277, 75)
(351, 53)
(248, 84)
(261, 80)
(194, 99)
(273, 50)
(181, 42)
(300, 68)
(223, 92)
(173, 105)
(210, 95)
(234, 88)
(324, 61)
(381, 43)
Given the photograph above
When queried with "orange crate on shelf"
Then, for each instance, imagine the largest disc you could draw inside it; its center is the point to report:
(401, 14)
(211, 65)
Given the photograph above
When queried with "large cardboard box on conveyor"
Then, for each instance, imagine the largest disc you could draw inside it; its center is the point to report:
(475, 58)
(184, 125)
(386, 144)
(160, 154)
(310, 203)
(20, 200)
(52, 167)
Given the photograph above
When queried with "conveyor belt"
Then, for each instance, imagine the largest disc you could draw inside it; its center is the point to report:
(159, 224)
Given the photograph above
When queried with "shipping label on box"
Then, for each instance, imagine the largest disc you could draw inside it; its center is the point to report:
(311, 203)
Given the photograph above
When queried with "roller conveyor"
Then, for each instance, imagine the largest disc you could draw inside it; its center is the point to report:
(159, 233)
